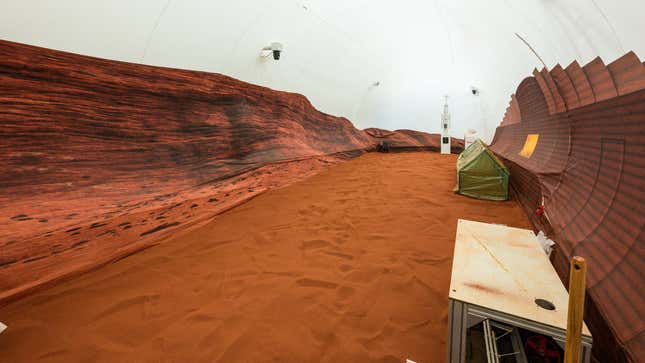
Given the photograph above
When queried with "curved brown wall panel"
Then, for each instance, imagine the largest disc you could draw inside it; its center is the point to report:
(588, 170)
(628, 73)
(100, 159)
(515, 110)
(557, 98)
(565, 87)
(600, 80)
(512, 114)
(581, 83)
(546, 91)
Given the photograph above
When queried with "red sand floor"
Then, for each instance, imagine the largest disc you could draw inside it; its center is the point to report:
(352, 264)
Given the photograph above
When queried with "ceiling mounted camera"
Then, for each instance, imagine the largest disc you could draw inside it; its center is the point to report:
(274, 48)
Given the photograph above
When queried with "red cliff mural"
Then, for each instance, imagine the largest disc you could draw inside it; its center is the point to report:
(587, 169)
(410, 140)
(101, 159)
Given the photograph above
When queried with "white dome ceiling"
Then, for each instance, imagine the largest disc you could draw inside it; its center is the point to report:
(334, 51)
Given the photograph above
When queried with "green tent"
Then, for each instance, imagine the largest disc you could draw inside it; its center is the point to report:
(480, 174)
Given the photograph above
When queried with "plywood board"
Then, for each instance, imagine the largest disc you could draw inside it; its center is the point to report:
(505, 269)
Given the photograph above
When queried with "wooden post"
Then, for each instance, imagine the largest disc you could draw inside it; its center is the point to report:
(573, 344)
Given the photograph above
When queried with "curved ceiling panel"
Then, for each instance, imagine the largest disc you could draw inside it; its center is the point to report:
(335, 51)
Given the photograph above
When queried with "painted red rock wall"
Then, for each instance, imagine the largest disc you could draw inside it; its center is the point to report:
(410, 140)
(100, 159)
(588, 170)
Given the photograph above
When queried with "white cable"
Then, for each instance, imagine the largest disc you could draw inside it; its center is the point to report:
(532, 50)
(154, 29)
(611, 26)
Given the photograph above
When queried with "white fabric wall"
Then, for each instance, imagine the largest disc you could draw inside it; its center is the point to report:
(335, 50)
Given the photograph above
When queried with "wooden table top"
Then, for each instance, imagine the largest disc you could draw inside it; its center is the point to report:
(505, 269)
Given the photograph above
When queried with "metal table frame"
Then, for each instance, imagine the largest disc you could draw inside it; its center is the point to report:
(462, 316)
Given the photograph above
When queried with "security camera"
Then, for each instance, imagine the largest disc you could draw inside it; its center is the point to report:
(274, 48)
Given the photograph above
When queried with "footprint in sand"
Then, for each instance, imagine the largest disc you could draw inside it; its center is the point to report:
(365, 276)
(315, 243)
(345, 292)
(306, 282)
(261, 240)
(146, 304)
(313, 211)
(342, 201)
(338, 254)
(201, 318)
(340, 240)
(432, 261)
(54, 354)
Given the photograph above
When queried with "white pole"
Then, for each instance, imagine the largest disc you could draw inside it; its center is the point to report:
(445, 128)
